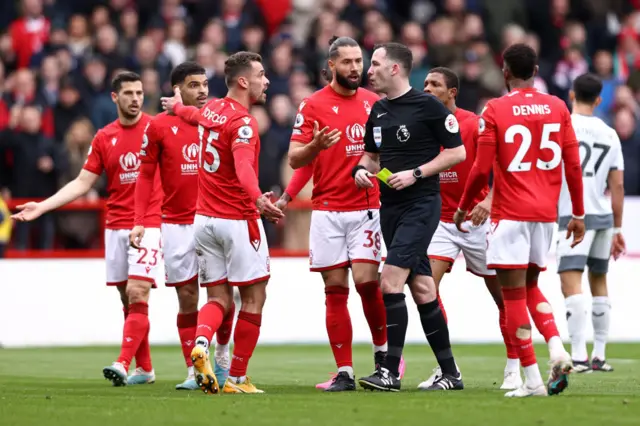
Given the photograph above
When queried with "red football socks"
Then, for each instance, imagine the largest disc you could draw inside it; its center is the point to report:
(136, 327)
(223, 334)
(541, 311)
(444, 313)
(187, 324)
(374, 311)
(209, 320)
(512, 353)
(518, 326)
(338, 324)
(245, 339)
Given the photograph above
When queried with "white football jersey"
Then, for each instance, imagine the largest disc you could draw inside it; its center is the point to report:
(600, 152)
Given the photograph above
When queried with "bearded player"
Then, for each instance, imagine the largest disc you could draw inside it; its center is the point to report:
(115, 150)
(447, 242)
(345, 224)
(525, 137)
(230, 241)
(172, 144)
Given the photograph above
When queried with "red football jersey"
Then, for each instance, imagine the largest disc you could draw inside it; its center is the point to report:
(529, 130)
(225, 127)
(173, 144)
(116, 150)
(452, 181)
(333, 187)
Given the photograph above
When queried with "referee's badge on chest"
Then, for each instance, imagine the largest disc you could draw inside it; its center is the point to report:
(377, 136)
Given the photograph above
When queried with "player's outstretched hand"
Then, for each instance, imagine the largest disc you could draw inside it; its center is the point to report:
(480, 212)
(325, 138)
(618, 247)
(575, 228)
(268, 209)
(28, 212)
(362, 179)
(169, 103)
(136, 235)
(401, 180)
(458, 218)
(282, 203)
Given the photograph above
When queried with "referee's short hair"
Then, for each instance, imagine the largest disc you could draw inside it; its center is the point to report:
(521, 60)
(587, 88)
(399, 53)
(450, 78)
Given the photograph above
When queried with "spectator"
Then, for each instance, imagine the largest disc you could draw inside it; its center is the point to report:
(79, 38)
(29, 33)
(626, 125)
(50, 80)
(68, 109)
(78, 229)
(603, 65)
(280, 69)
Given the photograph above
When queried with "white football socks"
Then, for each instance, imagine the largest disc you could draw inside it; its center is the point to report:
(533, 378)
(601, 317)
(577, 323)
(202, 341)
(347, 369)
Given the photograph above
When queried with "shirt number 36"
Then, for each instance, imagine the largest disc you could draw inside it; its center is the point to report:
(517, 164)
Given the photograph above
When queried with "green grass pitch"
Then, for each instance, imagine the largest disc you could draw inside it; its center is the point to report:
(64, 386)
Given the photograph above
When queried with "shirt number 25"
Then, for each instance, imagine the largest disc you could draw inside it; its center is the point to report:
(517, 165)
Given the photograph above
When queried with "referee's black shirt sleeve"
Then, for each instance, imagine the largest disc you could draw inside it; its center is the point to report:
(440, 123)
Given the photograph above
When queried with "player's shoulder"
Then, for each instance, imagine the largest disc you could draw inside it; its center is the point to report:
(463, 115)
(367, 95)
(110, 130)
(319, 97)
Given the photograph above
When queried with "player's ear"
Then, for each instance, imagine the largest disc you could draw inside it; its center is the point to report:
(535, 70)
(243, 82)
(453, 92)
(598, 100)
(114, 97)
(572, 96)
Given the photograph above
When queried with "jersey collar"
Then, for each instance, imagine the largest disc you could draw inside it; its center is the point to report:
(238, 106)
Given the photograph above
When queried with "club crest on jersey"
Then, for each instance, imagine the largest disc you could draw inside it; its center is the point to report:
(130, 163)
(377, 136)
(451, 124)
(403, 134)
(367, 107)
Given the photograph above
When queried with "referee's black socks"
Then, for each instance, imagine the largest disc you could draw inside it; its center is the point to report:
(437, 333)
(397, 320)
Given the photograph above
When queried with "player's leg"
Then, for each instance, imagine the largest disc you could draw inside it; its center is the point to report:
(364, 243)
(442, 252)
(329, 256)
(598, 263)
(249, 270)
(221, 354)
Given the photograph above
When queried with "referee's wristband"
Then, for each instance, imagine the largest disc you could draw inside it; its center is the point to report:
(355, 170)
(578, 217)
(617, 231)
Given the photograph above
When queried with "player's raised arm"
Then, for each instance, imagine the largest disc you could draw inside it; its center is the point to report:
(573, 176)
(308, 139)
(446, 129)
(85, 180)
(298, 181)
(174, 105)
(615, 182)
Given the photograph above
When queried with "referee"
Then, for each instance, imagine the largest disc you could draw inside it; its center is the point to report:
(404, 134)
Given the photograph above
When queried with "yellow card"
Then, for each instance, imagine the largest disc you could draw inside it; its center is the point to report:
(383, 175)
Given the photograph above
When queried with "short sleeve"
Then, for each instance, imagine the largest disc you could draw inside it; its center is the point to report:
(369, 137)
(244, 133)
(443, 124)
(487, 128)
(151, 143)
(618, 159)
(303, 126)
(94, 162)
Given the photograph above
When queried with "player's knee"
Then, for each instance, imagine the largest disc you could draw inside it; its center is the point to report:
(253, 298)
(364, 272)
(423, 290)
(524, 332)
(598, 284)
(188, 297)
(138, 291)
(544, 308)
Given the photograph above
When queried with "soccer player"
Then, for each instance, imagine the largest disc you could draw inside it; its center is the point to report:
(172, 144)
(447, 242)
(230, 241)
(404, 134)
(345, 224)
(115, 150)
(527, 135)
(602, 167)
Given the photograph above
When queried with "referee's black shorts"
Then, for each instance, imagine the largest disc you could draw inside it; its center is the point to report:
(407, 229)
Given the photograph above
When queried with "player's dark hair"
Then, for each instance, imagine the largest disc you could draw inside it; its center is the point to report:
(587, 88)
(239, 63)
(521, 60)
(450, 78)
(335, 43)
(184, 70)
(124, 77)
(397, 52)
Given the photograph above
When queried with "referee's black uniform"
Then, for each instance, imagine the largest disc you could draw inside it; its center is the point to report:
(408, 132)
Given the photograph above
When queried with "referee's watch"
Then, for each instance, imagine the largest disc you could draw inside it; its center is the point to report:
(417, 173)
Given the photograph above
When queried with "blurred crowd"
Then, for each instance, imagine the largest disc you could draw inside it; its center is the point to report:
(57, 58)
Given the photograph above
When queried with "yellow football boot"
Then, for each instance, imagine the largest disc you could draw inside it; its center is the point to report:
(203, 371)
(232, 386)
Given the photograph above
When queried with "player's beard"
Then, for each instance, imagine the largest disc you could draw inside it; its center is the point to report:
(346, 83)
(128, 115)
